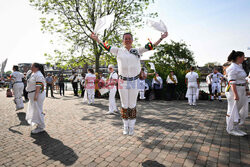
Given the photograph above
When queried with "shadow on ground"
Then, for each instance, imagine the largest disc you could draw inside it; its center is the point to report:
(21, 116)
(55, 149)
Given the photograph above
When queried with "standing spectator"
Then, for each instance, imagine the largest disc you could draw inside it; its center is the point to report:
(82, 81)
(157, 86)
(74, 80)
(208, 80)
(25, 93)
(61, 85)
(56, 83)
(49, 84)
(18, 87)
(171, 84)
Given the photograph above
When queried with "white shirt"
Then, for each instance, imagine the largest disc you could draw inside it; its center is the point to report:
(159, 79)
(72, 77)
(216, 78)
(192, 76)
(33, 81)
(113, 75)
(236, 74)
(129, 65)
(208, 80)
(169, 81)
(82, 80)
(17, 76)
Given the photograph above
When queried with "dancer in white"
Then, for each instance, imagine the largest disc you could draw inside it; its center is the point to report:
(128, 60)
(36, 95)
(111, 85)
(90, 86)
(237, 110)
(216, 78)
(18, 87)
(192, 86)
(142, 77)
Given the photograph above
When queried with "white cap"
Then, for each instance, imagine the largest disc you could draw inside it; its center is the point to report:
(111, 66)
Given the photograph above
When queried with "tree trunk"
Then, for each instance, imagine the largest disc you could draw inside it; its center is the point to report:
(97, 63)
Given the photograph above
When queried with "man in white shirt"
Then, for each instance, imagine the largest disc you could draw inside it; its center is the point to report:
(74, 80)
(111, 85)
(157, 85)
(192, 85)
(216, 83)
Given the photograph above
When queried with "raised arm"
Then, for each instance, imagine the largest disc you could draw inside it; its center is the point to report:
(164, 35)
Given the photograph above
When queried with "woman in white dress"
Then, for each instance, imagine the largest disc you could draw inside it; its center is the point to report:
(129, 67)
(18, 86)
(192, 86)
(90, 86)
(237, 110)
(36, 94)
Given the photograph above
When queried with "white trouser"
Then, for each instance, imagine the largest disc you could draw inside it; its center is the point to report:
(128, 91)
(91, 95)
(191, 92)
(112, 104)
(142, 84)
(237, 111)
(18, 92)
(216, 86)
(35, 113)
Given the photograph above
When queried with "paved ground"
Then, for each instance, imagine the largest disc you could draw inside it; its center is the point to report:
(167, 134)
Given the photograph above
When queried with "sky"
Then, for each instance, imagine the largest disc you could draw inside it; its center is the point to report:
(211, 29)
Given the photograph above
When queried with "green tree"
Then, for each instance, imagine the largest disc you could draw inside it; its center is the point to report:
(73, 26)
(177, 57)
(212, 64)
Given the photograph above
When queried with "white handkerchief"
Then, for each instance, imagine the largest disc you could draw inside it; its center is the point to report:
(159, 26)
(103, 23)
(152, 66)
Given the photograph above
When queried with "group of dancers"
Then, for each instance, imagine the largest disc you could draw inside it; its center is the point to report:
(128, 81)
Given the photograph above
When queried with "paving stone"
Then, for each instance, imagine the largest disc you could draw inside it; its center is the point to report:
(169, 133)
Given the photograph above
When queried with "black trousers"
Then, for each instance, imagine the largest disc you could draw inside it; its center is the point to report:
(82, 89)
(25, 93)
(61, 86)
(157, 92)
(171, 91)
(51, 90)
(75, 88)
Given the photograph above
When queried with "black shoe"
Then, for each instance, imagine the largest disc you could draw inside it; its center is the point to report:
(220, 100)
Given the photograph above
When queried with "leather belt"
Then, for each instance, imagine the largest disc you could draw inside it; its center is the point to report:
(243, 84)
(129, 78)
(32, 91)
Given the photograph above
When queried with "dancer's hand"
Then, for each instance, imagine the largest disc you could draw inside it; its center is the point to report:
(94, 37)
(236, 97)
(248, 93)
(164, 35)
(35, 98)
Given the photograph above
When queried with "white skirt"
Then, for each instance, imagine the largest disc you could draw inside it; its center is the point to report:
(35, 115)
(236, 110)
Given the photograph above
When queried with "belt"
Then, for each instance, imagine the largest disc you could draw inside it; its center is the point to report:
(243, 84)
(17, 82)
(32, 91)
(129, 78)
